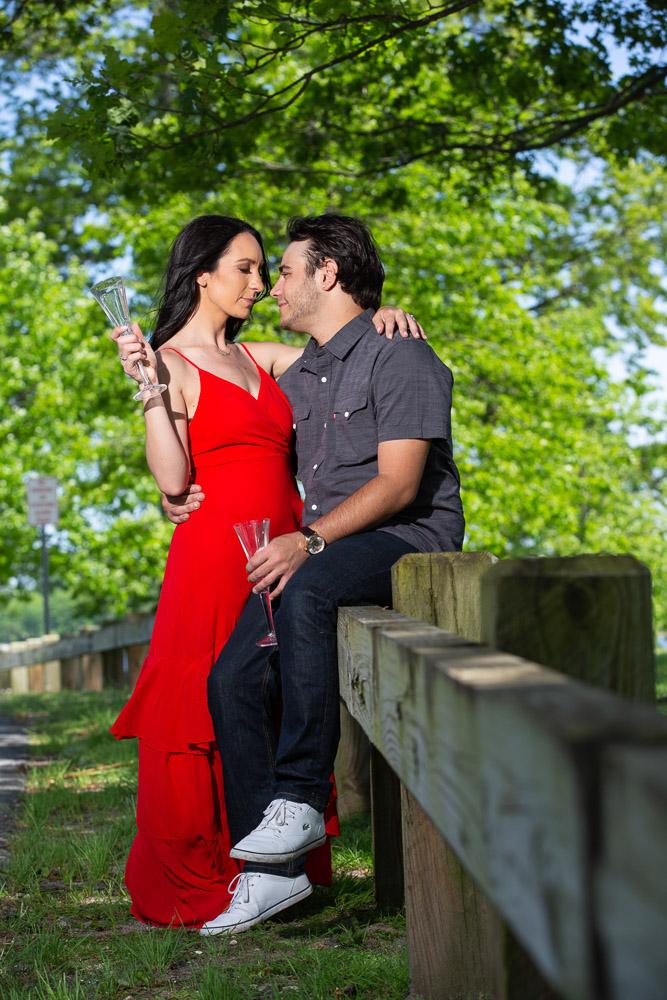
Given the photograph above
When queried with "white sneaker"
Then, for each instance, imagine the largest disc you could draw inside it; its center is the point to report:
(289, 830)
(256, 897)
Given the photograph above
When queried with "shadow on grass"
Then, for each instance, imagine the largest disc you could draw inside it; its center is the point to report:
(65, 929)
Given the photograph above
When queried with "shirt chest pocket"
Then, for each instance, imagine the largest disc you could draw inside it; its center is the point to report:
(356, 433)
(300, 413)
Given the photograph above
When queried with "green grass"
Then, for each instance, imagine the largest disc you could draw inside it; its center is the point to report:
(65, 929)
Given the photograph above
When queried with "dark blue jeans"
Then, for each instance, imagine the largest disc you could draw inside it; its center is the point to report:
(294, 761)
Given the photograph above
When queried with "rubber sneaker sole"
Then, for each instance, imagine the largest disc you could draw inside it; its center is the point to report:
(277, 859)
(244, 925)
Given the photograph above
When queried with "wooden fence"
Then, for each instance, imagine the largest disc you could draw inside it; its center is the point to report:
(90, 660)
(523, 812)
(519, 814)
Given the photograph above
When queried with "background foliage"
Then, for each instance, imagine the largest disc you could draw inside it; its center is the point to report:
(509, 157)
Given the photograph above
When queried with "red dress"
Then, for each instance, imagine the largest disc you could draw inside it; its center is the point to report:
(179, 867)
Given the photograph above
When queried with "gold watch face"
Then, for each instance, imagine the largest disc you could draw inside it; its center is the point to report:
(315, 544)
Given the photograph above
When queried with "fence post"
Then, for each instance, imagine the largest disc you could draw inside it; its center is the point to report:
(52, 675)
(93, 672)
(112, 668)
(387, 836)
(452, 930)
(135, 657)
(587, 616)
(71, 673)
(352, 767)
(20, 682)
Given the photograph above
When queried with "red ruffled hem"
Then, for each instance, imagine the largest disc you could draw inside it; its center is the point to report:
(168, 707)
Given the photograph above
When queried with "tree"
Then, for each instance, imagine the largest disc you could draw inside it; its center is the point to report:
(65, 412)
(531, 289)
(345, 90)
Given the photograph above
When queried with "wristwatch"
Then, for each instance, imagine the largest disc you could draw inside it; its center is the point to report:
(314, 542)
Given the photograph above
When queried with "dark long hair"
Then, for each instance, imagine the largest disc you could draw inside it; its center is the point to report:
(198, 247)
(349, 242)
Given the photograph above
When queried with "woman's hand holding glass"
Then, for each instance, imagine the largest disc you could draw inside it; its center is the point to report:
(134, 349)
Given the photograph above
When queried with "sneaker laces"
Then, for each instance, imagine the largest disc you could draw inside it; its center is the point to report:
(239, 888)
(278, 815)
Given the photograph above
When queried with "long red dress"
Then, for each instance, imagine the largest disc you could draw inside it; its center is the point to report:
(179, 867)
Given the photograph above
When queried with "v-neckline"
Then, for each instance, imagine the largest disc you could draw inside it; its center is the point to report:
(260, 372)
(247, 392)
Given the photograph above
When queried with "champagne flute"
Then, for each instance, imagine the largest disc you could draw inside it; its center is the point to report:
(254, 535)
(112, 297)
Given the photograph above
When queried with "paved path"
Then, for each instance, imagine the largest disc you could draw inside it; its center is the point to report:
(14, 752)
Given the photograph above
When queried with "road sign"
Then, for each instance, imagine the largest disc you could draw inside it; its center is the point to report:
(42, 500)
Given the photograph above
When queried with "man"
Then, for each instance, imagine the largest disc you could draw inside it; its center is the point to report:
(373, 440)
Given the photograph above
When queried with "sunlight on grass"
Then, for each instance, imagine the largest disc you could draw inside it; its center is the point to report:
(66, 932)
(147, 955)
(60, 989)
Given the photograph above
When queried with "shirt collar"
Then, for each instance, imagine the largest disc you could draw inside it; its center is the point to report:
(343, 341)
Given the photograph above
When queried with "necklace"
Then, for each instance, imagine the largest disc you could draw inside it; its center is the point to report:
(224, 353)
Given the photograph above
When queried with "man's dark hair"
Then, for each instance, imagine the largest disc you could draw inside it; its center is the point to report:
(347, 241)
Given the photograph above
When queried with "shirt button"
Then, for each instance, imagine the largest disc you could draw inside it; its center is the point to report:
(323, 379)
(293, 427)
(325, 423)
(313, 506)
(346, 414)
(315, 466)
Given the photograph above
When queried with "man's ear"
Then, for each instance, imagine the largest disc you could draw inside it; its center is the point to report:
(329, 270)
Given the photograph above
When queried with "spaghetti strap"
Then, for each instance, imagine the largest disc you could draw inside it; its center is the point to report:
(184, 358)
(258, 367)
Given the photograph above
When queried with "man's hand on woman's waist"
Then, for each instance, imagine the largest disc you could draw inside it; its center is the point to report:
(178, 509)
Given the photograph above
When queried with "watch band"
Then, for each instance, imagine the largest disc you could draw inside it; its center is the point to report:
(314, 541)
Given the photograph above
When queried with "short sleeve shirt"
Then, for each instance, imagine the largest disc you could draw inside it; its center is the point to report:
(356, 391)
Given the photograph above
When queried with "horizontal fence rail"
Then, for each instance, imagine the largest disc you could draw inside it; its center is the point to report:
(552, 794)
(92, 659)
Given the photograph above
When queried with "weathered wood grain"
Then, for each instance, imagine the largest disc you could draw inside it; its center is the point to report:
(587, 616)
(631, 876)
(452, 930)
(453, 933)
(352, 767)
(501, 754)
(443, 589)
(356, 656)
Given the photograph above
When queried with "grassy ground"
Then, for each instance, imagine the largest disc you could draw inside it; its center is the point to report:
(65, 931)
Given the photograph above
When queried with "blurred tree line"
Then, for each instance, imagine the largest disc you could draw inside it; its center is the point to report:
(509, 157)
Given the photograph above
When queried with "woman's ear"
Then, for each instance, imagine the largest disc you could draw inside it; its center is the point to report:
(202, 279)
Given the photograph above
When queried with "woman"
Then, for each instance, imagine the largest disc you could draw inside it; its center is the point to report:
(223, 420)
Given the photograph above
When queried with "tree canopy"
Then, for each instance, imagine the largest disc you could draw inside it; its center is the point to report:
(312, 90)
(538, 277)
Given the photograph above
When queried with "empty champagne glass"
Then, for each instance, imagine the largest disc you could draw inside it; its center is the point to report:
(254, 535)
(112, 297)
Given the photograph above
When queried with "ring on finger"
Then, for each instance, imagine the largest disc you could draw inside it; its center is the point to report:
(409, 315)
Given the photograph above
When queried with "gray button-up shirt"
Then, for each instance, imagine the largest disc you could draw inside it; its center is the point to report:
(356, 391)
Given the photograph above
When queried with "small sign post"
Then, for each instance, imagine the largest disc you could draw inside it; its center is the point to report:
(42, 510)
